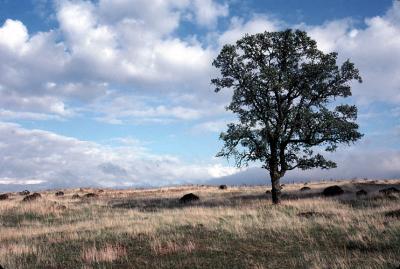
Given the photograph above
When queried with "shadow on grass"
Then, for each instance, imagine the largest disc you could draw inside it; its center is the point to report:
(153, 204)
(156, 204)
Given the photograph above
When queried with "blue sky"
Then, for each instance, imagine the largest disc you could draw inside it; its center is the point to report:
(117, 93)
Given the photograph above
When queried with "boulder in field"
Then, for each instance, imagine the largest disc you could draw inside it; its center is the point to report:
(389, 190)
(59, 193)
(393, 214)
(75, 196)
(361, 192)
(4, 196)
(25, 192)
(61, 207)
(223, 187)
(305, 189)
(190, 197)
(90, 195)
(333, 191)
(32, 197)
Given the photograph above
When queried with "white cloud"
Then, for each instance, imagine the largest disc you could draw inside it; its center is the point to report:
(117, 108)
(99, 46)
(238, 28)
(13, 115)
(160, 16)
(375, 50)
(13, 34)
(330, 33)
(58, 161)
(207, 12)
(214, 126)
(132, 43)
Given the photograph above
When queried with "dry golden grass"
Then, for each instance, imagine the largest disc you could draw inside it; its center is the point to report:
(234, 228)
(108, 253)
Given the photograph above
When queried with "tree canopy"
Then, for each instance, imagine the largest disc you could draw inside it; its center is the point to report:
(286, 95)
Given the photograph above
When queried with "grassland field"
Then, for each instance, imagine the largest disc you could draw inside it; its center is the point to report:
(234, 228)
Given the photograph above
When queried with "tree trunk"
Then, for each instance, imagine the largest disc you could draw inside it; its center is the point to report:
(276, 188)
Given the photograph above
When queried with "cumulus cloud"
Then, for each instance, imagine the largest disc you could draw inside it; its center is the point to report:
(13, 34)
(207, 12)
(375, 49)
(100, 46)
(238, 28)
(26, 66)
(97, 47)
(51, 160)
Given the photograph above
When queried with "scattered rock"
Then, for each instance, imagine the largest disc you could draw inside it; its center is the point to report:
(32, 197)
(25, 192)
(389, 190)
(4, 196)
(190, 197)
(361, 192)
(59, 193)
(75, 196)
(333, 191)
(90, 195)
(61, 207)
(393, 213)
(310, 214)
(223, 187)
(305, 189)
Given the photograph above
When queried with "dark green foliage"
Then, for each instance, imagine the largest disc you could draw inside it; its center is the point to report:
(283, 93)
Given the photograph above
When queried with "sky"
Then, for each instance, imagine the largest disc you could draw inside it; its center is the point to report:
(117, 93)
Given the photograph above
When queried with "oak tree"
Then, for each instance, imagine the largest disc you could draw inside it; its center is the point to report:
(288, 97)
